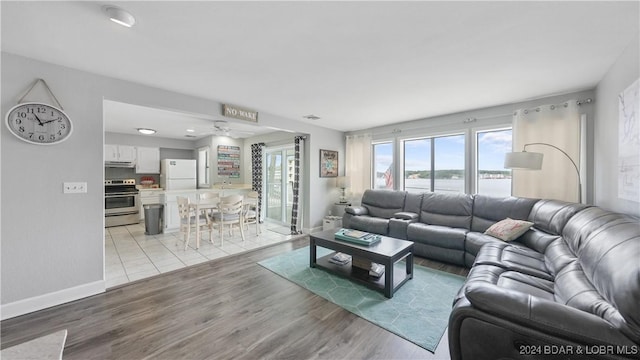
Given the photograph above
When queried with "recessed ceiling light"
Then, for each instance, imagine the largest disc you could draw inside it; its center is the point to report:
(146, 131)
(190, 130)
(311, 117)
(120, 16)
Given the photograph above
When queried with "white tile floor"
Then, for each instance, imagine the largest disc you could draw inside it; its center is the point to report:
(131, 255)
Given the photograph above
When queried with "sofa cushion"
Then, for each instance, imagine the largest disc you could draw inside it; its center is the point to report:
(488, 210)
(508, 229)
(536, 239)
(383, 203)
(585, 223)
(508, 279)
(552, 215)
(442, 236)
(451, 210)
(356, 210)
(609, 257)
(514, 257)
(436, 242)
(412, 203)
(558, 255)
(476, 240)
(370, 224)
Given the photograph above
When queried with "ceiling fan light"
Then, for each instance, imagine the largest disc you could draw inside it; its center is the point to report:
(120, 16)
(146, 131)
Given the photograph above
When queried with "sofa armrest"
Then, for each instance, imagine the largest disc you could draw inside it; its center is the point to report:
(543, 315)
(356, 210)
(405, 215)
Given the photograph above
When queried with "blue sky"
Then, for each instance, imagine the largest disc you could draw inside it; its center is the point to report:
(450, 152)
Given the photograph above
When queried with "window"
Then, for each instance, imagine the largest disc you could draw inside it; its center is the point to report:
(203, 167)
(491, 176)
(449, 164)
(383, 165)
(435, 164)
(417, 165)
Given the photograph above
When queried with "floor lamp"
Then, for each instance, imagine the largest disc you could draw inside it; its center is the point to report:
(533, 161)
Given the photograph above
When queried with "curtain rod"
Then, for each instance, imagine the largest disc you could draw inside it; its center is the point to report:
(554, 106)
(474, 119)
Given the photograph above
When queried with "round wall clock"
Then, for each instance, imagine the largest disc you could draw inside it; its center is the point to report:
(39, 123)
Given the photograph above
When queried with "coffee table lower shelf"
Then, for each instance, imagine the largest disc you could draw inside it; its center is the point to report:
(362, 276)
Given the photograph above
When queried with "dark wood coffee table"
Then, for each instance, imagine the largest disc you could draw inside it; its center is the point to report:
(388, 252)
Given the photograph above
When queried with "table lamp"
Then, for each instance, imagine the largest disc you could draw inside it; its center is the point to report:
(341, 183)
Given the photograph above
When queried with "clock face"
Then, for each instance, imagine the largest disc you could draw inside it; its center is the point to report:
(38, 123)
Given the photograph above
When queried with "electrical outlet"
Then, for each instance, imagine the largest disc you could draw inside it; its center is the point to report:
(75, 187)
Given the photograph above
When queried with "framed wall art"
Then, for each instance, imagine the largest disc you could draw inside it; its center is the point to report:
(229, 161)
(328, 163)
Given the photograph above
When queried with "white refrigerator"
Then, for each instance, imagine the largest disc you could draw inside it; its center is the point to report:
(178, 174)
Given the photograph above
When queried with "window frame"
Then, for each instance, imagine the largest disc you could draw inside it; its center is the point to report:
(475, 158)
(432, 136)
(393, 162)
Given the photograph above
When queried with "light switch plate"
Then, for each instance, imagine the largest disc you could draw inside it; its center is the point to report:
(74, 187)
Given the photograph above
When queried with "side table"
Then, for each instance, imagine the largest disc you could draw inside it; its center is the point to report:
(331, 222)
(338, 208)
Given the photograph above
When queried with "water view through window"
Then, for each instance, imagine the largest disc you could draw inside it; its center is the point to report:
(492, 178)
(437, 164)
(443, 173)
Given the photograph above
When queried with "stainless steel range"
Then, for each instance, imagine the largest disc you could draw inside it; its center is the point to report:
(121, 203)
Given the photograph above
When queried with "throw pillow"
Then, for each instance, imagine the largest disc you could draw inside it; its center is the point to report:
(508, 229)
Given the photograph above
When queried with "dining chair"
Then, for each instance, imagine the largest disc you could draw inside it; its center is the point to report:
(188, 220)
(251, 215)
(211, 197)
(230, 212)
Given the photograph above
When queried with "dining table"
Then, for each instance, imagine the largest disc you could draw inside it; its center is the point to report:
(203, 206)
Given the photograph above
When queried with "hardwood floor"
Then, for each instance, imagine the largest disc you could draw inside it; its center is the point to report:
(230, 308)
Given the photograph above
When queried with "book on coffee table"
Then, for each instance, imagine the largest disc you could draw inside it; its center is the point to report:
(357, 237)
(340, 259)
(376, 270)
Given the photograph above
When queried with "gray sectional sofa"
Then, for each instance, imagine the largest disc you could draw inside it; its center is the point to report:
(568, 288)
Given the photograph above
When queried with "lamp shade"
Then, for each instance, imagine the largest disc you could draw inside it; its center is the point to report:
(523, 160)
(341, 182)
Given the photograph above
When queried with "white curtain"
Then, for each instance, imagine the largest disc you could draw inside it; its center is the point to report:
(358, 164)
(558, 125)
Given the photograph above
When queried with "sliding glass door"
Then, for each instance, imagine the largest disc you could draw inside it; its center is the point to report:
(278, 168)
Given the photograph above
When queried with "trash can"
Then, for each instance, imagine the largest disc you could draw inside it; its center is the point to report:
(153, 219)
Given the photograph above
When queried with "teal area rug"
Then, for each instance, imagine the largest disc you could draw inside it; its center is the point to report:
(419, 310)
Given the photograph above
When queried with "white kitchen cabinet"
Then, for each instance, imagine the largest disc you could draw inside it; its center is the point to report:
(119, 153)
(147, 160)
(111, 153)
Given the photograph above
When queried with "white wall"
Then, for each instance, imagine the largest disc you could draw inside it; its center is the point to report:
(214, 141)
(319, 194)
(623, 73)
(53, 244)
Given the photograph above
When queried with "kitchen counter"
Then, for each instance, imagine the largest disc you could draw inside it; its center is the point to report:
(140, 188)
(231, 186)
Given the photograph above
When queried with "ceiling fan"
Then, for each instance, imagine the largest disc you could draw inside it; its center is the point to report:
(222, 128)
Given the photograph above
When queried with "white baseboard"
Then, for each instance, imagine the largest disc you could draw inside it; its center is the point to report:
(312, 230)
(40, 302)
